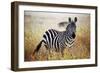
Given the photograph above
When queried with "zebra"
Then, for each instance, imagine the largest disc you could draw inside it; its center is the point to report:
(58, 40)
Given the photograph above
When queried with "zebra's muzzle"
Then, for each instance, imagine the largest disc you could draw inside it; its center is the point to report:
(73, 35)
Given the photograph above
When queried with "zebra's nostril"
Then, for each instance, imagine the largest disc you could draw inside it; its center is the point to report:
(73, 35)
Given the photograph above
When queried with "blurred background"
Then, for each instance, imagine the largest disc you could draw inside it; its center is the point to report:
(36, 23)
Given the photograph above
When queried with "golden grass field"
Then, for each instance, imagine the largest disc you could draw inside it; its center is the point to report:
(36, 25)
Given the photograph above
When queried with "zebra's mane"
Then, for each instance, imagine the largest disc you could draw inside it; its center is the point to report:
(62, 24)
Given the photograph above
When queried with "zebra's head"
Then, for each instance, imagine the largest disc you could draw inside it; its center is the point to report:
(71, 28)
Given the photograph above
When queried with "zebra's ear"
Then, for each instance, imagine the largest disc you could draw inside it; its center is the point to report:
(69, 19)
(75, 19)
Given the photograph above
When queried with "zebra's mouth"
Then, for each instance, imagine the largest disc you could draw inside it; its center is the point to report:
(73, 35)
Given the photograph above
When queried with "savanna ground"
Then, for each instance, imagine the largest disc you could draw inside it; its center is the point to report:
(36, 23)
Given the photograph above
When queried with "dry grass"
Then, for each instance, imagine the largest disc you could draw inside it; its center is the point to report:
(80, 49)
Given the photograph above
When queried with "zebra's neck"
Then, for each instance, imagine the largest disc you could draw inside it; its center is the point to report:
(68, 40)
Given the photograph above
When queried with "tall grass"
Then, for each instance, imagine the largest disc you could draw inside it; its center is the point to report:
(80, 49)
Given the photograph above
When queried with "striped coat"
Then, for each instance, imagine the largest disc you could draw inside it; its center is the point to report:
(57, 40)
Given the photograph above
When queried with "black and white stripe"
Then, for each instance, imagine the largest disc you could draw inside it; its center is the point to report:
(57, 40)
